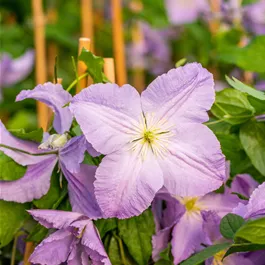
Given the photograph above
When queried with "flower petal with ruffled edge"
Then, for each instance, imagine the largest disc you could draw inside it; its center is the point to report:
(33, 185)
(55, 97)
(132, 185)
(81, 191)
(21, 158)
(53, 250)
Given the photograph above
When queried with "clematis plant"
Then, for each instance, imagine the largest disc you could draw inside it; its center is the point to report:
(151, 140)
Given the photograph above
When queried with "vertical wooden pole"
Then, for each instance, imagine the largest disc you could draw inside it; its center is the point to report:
(138, 73)
(41, 72)
(28, 250)
(118, 42)
(109, 69)
(81, 67)
(87, 21)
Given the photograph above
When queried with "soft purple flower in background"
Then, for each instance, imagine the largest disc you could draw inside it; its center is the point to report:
(256, 205)
(254, 17)
(77, 240)
(182, 221)
(36, 181)
(185, 11)
(151, 140)
(153, 52)
(13, 71)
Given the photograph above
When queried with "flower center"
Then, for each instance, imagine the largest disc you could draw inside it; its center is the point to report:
(191, 203)
(54, 141)
(218, 258)
(149, 137)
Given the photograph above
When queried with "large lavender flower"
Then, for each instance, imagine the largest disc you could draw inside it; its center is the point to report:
(13, 71)
(36, 181)
(153, 140)
(76, 242)
(184, 221)
(185, 11)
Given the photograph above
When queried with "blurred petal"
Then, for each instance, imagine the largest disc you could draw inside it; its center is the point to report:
(126, 183)
(256, 204)
(5, 64)
(23, 159)
(55, 97)
(19, 69)
(257, 257)
(222, 204)
(81, 191)
(33, 185)
(113, 112)
(187, 236)
(72, 154)
(54, 249)
(91, 150)
(55, 218)
(244, 184)
(194, 164)
(165, 219)
(182, 95)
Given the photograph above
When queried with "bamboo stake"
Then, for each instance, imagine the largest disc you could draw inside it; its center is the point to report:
(41, 72)
(81, 67)
(28, 250)
(118, 42)
(87, 21)
(109, 69)
(138, 73)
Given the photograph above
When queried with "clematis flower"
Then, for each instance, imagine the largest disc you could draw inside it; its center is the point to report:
(256, 205)
(183, 220)
(185, 11)
(151, 140)
(41, 162)
(76, 242)
(15, 70)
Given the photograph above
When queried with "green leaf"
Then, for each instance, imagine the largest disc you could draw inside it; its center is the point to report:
(136, 233)
(9, 169)
(235, 83)
(94, 65)
(35, 136)
(166, 253)
(52, 196)
(252, 231)
(244, 247)
(259, 105)
(240, 196)
(252, 139)
(181, 62)
(77, 130)
(12, 217)
(250, 57)
(249, 2)
(114, 252)
(205, 254)
(105, 225)
(163, 262)
(230, 224)
(38, 233)
(232, 106)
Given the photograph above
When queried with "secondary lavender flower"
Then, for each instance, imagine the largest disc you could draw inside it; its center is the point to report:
(69, 154)
(152, 52)
(151, 140)
(185, 11)
(183, 221)
(15, 70)
(256, 205)
(76, 242)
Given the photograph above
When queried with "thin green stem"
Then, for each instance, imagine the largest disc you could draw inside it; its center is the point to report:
(28, 153)
(76, 81)
(213, 122)
(121, 249)
(14, 250)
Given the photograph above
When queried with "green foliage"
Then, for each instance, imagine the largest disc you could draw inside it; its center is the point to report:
(208, 252)
(243, 247)
(136, 233)
(35, 136)
(94, 65)
(252, 139)
(105, 225)
(9, 169)
(253, 231)
(230, 224)
(12, 217)
(232, 106)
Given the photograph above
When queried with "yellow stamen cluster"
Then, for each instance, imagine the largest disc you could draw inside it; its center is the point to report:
(218, 258)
